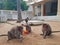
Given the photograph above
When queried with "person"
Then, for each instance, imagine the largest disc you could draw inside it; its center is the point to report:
(46, 29)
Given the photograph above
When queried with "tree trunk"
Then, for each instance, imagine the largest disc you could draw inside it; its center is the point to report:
(19, 10)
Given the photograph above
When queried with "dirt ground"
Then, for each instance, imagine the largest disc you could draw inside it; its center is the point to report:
(34, 38)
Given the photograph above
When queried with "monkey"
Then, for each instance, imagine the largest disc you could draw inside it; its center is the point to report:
(15, 33)
(46, 29)
(26, 20)
(20, 29)
(28, 28)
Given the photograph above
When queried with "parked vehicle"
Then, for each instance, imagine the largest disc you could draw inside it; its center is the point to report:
(33, 21)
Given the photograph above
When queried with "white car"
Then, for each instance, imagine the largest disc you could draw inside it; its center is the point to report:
(33, 21)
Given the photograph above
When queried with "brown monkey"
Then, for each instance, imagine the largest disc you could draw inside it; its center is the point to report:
(46, 29)
(15, 32)
(28, 28)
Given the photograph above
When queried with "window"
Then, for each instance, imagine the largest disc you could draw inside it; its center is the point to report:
(54, 8)
(51, 8)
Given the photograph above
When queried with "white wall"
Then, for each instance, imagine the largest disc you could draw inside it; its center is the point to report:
(8, 14)
(30, 8)
(38, 10)
(26, 14)
(3, 18)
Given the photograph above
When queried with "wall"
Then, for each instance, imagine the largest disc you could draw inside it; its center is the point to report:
(13, 15)
(58, 13)
(3, 17)
(26, 14)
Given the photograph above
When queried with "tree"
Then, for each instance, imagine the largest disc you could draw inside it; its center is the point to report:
(21, 5)
(19, 10)
(12, 5)
(24, 6)
(18, 5)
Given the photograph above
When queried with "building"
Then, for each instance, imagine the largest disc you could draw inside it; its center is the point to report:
(45, 7)
(58, 13)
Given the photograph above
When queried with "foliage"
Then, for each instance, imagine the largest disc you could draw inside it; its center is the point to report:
(24, 6)
(12, 5)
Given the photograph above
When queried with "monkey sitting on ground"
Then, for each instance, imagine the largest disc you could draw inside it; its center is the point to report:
(28, 28)
(15, 33)
(46, 29)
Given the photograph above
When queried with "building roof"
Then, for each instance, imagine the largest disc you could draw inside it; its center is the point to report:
(36, 1)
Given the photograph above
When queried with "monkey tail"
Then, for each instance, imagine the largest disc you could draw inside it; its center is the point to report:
(55, 31)
(3, 35)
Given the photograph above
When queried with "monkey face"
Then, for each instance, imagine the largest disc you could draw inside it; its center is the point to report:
(45, 25)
